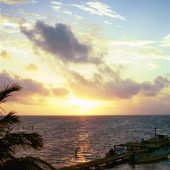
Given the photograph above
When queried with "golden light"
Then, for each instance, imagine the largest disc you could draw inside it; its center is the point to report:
(75, 106)
(83, 106)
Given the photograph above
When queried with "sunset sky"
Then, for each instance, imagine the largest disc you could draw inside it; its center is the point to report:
(87, 57)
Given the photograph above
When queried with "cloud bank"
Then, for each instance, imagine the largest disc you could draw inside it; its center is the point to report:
(116, 87)
(31, 88)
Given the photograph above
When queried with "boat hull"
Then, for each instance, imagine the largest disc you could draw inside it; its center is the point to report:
(152, 156)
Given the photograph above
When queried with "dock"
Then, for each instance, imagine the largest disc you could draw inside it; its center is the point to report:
(159, 141)
(106, 161)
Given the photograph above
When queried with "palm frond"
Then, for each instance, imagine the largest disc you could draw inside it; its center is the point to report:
(5, 155)
(1, 108)
(23, 140)
(26, 163)
(6, 123)
(11, 141)
(41, 163)
(8, 89)
(9, 119)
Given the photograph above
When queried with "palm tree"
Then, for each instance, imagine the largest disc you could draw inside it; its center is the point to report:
(11, 140)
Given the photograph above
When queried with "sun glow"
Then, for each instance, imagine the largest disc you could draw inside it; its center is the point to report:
(83, 106)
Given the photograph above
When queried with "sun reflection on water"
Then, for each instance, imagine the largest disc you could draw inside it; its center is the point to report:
(84, 149)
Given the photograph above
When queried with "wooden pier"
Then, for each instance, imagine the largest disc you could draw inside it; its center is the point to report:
(100, 162)
(132, 149)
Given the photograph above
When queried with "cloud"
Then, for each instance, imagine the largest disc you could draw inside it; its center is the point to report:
(60, 92)
(5, 55)
(151, 106)
(11, 2)
(5, 78)
(59, 7)
(58, 40)
(101, 9)
(5, 19)
(132, 44)
(31, 67)
(143, 53)
(109, 85)
(108, 22)
(166, 41)
(56, 5)
(33, 91)
(152, 89)
(122, 89)
(9, 24)
(30, 87)
(106, 90)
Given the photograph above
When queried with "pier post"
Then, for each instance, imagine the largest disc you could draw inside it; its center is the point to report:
(155, 134)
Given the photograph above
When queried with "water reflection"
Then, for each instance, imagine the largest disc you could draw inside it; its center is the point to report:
(83, 146)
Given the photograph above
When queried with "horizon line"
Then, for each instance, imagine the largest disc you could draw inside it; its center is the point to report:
(45, 115)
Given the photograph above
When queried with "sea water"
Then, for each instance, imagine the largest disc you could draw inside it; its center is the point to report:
(92, 137)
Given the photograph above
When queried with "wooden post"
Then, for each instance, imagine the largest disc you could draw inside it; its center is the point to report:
(155, 134)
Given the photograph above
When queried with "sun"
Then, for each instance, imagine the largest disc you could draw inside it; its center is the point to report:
(83, 106)
(75, 106)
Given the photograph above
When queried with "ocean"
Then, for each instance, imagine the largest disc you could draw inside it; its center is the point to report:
(93, 136)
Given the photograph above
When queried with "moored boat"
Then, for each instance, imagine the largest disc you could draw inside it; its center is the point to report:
(152, 156)
(145, 151)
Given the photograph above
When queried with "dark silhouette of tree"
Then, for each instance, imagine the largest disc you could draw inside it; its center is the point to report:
(11, 140)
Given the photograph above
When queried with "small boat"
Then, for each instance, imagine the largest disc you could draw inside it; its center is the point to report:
(152, 156)
(117, 150)
(120, 149)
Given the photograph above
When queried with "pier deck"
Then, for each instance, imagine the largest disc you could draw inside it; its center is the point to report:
(99, 162)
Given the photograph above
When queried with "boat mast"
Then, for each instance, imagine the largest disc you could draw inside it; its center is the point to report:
(155, 134)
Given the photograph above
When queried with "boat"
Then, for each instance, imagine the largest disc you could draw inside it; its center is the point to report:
(152, 156)
(120, 149)
(145, 150)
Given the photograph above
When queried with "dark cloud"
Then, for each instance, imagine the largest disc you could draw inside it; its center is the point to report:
(153, 88)
(122, 88)
(59, 41)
